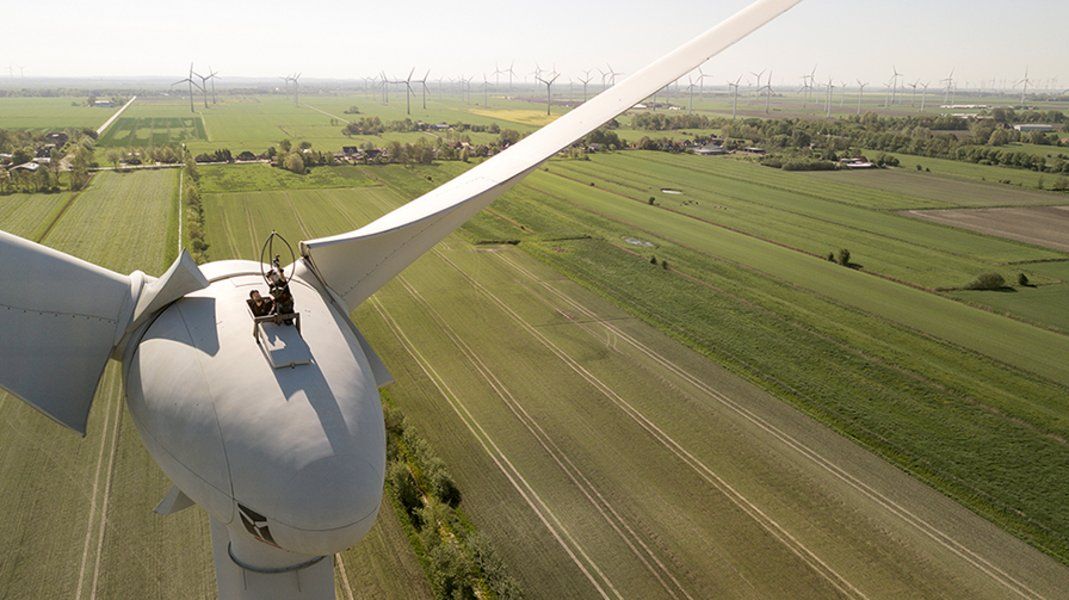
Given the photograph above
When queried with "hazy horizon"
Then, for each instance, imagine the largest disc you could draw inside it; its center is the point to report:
(980, 40)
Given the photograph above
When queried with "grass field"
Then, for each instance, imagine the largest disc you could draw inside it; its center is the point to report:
(975, 172)
(50, 113)
(818, 214)
(261, 177)
(782, 319)
(81, 523)
(582, 454)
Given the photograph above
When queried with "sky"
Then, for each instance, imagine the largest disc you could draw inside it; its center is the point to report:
(845, 40)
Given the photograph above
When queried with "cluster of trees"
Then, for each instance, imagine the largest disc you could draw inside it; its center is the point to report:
(376, 126)
(458, 560)
(842, 258)
(978, 141)
(194, 211)
(166, 154)
(221, 155)
(23, 147)
(662, 121)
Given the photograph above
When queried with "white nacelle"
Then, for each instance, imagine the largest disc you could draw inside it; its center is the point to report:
(292, 457)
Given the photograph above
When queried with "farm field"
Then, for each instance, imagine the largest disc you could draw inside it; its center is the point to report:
(1040, 226)
(82, 524)
(818, 214)
(756, 308)
(50, 113)
(513, 372)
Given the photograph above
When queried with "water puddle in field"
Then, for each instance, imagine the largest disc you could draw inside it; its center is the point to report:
(637, 242)
(673, 192)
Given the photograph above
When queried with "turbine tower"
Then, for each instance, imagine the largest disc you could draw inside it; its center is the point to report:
(860, 94)
(585, 80)
(203, 86)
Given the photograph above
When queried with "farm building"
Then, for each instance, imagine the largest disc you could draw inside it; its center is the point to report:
(103, 103)
(28, 166)
(710, 150)
(1030, 127)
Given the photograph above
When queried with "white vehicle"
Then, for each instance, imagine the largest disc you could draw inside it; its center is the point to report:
(274, 429)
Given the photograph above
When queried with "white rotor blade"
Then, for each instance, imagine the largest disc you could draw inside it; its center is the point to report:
(61, 318)
(355, 264)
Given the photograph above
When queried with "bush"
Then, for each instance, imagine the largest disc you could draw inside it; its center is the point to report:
(844, 257)
(408, 494)
(801, 164)
(831, 257)
(652, 200)
(1022, 279)
(987, 281)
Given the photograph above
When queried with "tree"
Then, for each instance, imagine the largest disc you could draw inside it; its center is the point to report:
(831, 257)
(844, 257)
(987, 281)
(1022, 279)
(652, 200)
(998, 137)
(114, 157)
(285, 146)
(294, 162)
(653, 259)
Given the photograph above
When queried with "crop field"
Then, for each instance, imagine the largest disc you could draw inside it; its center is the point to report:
(153, 131)
(81, 523)
(590, 446)
(50, 113)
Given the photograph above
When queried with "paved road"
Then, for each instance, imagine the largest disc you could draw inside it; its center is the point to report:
(104, 127)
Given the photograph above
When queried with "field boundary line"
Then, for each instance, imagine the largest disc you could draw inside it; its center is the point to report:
(59, 215)
(944, 539)
(759, 516)
(511, 473)
(559, 456)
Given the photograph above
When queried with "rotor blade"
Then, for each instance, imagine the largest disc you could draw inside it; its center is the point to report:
(355, 264)
(61, 318)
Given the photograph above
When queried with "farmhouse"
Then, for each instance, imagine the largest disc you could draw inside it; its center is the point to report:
(28, 166)
(1030, 127)
(58, 138)
(103, 103)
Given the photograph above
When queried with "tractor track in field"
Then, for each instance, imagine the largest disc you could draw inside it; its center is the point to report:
(634, 541)
(113, 435)
(777, 531)
(519, 483)
(940, 537)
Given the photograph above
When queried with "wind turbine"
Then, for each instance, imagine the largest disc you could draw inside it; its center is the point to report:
(384, 83)
(735, 97)
(203, 86)
(277, 435)
(611, 75)
(212, 75)
(702, 76)
(407, 81)
(549, 89)
(860, 94)
(585, 80)
(924, 94)
(768, 92)
(758, 76)
(1024, 86)
(827, 99)
(189, 80)
(486, 92)
(893, 83)
(296, 79)
(949, 81)
(511, 73)
(913, 97)
(690, 93)
(423, 87)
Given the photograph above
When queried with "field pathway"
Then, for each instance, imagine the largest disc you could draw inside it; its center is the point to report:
(104, 127)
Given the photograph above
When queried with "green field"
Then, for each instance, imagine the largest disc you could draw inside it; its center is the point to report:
(50, 113)
(976, 172)
(783, 318)
(81, 523)
(261, 177)
(152, 131)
